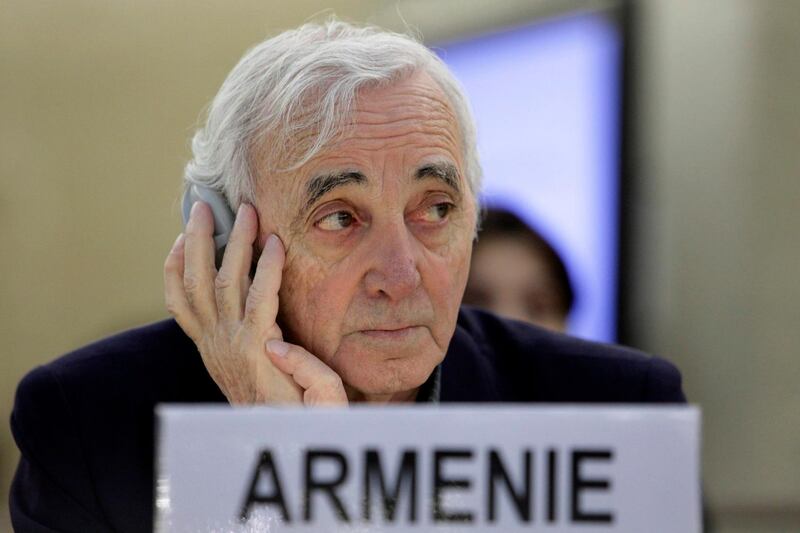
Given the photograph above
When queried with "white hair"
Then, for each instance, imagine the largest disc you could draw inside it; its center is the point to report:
(302, 84)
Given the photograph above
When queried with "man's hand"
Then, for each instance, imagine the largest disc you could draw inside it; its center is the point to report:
(231, 319)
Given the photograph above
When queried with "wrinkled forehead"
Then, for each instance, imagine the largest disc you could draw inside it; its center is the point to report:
(412, 110)
(410, 95)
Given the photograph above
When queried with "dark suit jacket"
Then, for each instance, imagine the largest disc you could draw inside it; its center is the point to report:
(84, 423)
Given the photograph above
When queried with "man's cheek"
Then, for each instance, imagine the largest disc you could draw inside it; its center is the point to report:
(455, 262)
(447, 278)
(448, 288)
(298, 277)
(311, 306)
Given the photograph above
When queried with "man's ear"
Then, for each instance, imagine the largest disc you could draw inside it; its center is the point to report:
(480, 214)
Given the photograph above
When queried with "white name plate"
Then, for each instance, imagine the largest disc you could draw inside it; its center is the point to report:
(426, 468)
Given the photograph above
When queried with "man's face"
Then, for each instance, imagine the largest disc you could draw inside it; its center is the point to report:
(378, 231)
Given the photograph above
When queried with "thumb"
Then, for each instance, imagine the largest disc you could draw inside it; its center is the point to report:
(321, 385)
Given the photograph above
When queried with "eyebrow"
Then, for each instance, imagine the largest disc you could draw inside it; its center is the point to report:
(319, 186)
(445, 172)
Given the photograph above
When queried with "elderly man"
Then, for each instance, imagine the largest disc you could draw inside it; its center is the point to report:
(349, 157)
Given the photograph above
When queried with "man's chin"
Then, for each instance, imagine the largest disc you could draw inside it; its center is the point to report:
(380, 365)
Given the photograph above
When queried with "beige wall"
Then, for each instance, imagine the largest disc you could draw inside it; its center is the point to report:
(98, 99)
(718, 287)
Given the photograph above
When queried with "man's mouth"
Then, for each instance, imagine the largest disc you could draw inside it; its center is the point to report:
(391, 332)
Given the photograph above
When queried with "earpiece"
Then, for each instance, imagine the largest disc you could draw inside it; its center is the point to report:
(223, 215)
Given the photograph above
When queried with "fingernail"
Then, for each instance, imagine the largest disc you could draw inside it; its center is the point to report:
(177, 242)
(272, 242)
(277, 347)
(194, 208)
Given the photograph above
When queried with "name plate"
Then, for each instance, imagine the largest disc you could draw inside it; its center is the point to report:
(428, 468)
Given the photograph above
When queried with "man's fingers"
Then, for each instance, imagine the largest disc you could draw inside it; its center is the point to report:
(199, 270)
(261, 307)
(232, 281)
(174, 293)
(322, 385)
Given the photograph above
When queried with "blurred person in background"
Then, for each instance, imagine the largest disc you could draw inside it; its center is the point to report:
(515, 272)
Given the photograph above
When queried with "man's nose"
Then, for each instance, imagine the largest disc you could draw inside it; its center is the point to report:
(393, 264)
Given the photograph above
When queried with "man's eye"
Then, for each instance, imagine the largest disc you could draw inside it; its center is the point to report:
(335, 221)
(438, 212)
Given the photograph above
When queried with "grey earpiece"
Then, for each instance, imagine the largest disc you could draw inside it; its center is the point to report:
(223, 215)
